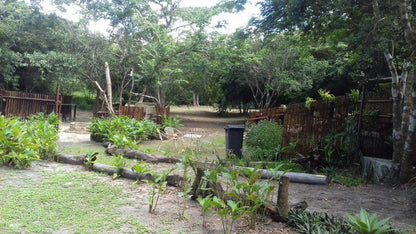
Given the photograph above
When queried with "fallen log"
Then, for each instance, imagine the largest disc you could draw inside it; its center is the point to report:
(133, 175)
(172, 180)
(70, 159)
(107, 169)
(141, 156)
(293, 176)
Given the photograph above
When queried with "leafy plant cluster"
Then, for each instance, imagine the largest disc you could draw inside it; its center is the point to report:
(313, 222)
(243, 198)
(123, 132)
(307, 222)
(170, 122)
(23, 141)
(264, 141)
(345, 178)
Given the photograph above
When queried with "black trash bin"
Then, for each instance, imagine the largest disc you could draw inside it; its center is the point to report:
(234, 139)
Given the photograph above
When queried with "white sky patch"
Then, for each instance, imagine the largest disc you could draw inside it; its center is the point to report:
(234, 20)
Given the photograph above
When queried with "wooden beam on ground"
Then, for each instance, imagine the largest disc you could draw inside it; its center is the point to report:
(293, 176)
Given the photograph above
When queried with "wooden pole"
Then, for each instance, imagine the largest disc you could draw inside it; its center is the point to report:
(57, 101)
(109, 90)
(360, 124)
(97, 103)
(132, 85)
(296, 177)
(1, 105)
(283, 197)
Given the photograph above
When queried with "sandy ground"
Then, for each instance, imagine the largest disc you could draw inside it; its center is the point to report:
(387, 201)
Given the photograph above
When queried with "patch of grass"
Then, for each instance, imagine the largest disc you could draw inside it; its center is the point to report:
(343, 177)
(84, 100)
(109, 160)
(80, 149)
(285, 165)
(77, 202)
(209, 147)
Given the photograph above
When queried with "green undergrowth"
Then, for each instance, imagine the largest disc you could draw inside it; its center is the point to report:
(74, 202)
(25, 140)
(346, 178)
(307, 222)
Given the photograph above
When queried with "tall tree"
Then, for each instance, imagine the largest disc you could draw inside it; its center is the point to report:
(375, 33)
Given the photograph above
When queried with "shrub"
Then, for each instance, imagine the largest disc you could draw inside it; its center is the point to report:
(22, 141)
(264, 141)
(171, 122)
(312, 222)
(124, 129)
(366, 224)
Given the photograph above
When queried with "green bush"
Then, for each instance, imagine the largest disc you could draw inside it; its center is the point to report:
(23, 141)
(171, 122)
(84, 100)
(263, 141)
(123, 130)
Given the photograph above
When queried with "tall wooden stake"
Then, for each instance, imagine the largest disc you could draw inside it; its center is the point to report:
(132, 85)
(283, 197)
(57, 101)
(109, 90)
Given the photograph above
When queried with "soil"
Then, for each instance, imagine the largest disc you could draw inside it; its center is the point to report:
(383, 199)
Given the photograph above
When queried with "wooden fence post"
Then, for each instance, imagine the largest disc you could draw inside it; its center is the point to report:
(1, 105)
(57, 101)
(360, 124)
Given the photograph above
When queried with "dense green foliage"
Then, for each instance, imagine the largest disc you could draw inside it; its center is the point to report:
(255, 190)
(22, 141)
(124, 132)
(264, 141)
(295, 49)
(181, 65)
(170, 122)
(314, 222)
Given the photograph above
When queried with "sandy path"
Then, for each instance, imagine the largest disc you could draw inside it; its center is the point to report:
(340, 200)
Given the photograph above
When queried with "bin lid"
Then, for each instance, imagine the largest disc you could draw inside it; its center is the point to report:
(234, 127)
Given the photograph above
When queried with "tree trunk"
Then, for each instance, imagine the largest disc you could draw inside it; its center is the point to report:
(160, 97)
(120, 98)
(142, 96)
(409, 145)
(397, 117)
(109, 90)
(195, 99)
(407, 80)
(132, 85)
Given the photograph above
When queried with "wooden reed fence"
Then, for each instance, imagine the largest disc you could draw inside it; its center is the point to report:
(132, 112)
(306, 127)
(13, 103)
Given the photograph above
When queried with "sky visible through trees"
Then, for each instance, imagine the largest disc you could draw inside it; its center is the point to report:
(290, 51)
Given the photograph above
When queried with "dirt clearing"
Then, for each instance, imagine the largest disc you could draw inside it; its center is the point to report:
(132, 208)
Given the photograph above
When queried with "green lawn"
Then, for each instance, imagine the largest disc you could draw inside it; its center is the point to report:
(76, 202)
